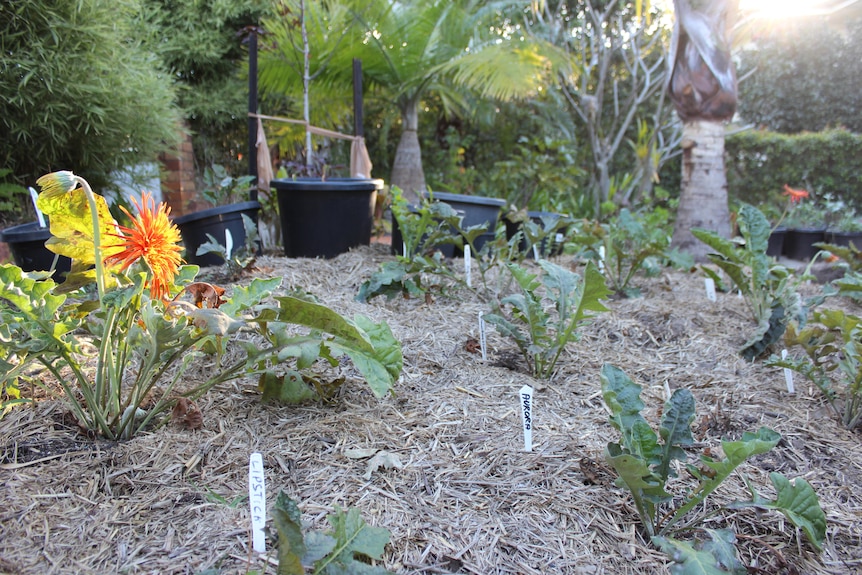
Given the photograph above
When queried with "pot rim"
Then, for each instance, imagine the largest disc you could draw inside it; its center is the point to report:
(216, 211)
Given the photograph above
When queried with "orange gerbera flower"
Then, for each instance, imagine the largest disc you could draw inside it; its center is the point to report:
(153, 237)
(795, 196)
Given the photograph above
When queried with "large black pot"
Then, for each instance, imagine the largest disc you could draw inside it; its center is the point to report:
(27, 244)
(195, 226)
(799, 243)
(324, 218)
(775, 244)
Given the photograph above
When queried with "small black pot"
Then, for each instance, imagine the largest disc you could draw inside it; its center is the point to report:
(27, 244)
(513, 227)
(195, 226)
(799, 243)
(476, 210)
(324, 218)
(845, 238)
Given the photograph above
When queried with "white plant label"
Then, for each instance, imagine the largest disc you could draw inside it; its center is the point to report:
(788, 374)
(482, 341)
(228, 244)
(468, 266)
(535, 252)
(34, 196)
(257, 501)
(602, 259)
(525, 397)
(404, 249)
(709, 283)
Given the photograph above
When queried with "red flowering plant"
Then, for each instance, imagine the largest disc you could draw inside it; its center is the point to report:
(799, 213)
(119, 333)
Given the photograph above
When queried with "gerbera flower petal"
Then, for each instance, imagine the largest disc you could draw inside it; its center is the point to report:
(154, 238)
(795, 196)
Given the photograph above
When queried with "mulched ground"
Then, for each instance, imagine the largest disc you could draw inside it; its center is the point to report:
(467, 499)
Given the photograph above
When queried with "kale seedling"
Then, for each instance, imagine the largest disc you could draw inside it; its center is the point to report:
(644, 461)
(766, 285)
(541, 336)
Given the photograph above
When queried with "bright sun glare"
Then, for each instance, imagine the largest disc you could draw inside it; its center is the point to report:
(774, 9)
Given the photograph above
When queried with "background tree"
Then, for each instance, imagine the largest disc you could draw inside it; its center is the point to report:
(611, 91)
(415, 50)
(703, 90)
(79, 90)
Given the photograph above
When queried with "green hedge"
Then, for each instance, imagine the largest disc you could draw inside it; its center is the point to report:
(759, 163)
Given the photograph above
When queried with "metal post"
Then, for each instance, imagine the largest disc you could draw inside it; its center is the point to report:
(252, 108)
(358, 130)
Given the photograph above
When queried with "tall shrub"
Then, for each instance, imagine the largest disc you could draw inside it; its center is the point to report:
(79, 89)
(202, 44)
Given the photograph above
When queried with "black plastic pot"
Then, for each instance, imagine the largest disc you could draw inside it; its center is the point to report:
(195, 226)
(799, 243)
(27, 244)
(845, 238)
(775, 246)
(397, 247)
(476, 210)
(537, 217)
(324, 218)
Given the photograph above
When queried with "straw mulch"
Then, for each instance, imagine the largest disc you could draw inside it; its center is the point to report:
(468, 498)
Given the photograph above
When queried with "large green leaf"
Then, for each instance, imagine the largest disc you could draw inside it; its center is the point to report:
(798, 502)
(354, 539)
(287, 521)
(714, 557)
(319, 317)
(381, 366)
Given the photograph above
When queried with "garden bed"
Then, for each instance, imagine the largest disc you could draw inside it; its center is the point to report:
(468, 499)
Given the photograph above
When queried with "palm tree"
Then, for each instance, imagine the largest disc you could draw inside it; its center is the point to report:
(412, 49)
(704, 92)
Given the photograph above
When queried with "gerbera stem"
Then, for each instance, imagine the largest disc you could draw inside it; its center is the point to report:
(97, 240)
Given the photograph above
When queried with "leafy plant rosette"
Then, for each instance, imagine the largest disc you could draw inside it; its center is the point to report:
(767, 286)
(646, 463)
(110, 346)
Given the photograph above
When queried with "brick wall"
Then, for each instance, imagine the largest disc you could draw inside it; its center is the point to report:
(178, 178)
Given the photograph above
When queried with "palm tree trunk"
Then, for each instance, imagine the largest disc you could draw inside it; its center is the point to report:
(703, 201)
(407, 172)
(703, 90)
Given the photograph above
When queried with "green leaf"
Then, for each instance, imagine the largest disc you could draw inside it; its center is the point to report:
(287, 521)
(715, 557)
(675, 429)
(799, 503)
(381, 366)
(388, 281)
(354, 539)
(243, 298)
(289, 388)
(736, 452)
(317, 316)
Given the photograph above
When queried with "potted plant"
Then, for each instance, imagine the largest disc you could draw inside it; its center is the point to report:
(805, 224)
(226, 193)
(844, 226)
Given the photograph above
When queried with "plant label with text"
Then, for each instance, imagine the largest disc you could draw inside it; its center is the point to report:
(257, 501)
(525, 397)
